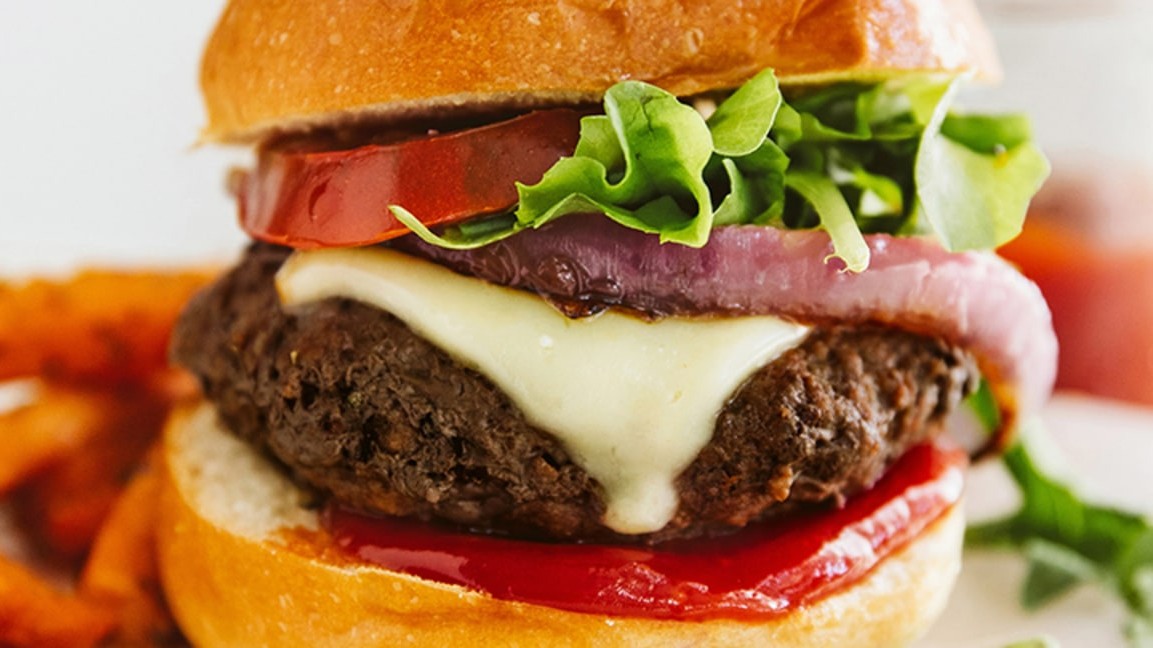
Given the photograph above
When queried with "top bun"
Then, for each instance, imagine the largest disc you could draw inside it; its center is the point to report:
(273, 65)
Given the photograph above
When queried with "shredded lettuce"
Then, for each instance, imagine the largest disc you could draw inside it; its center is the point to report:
(850, 159)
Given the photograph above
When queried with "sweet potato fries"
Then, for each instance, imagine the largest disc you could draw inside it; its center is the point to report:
(75, 461)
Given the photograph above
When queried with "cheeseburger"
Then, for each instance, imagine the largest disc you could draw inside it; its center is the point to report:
(596, 323)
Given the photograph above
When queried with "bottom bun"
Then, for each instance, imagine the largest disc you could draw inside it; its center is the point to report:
(235, 577)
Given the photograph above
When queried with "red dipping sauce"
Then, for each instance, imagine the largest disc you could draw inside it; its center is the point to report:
(762, 571)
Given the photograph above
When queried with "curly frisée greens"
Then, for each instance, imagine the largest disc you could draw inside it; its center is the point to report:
(850, 159)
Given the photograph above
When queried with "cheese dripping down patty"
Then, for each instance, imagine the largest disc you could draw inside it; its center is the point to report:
(632, 401)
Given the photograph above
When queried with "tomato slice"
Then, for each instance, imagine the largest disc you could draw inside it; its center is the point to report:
(308, 200)
(763, 571)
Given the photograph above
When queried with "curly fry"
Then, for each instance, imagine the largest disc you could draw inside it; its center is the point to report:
(121, 573)
(72, 460)
(33, 613)
(99, 326)
(65, 504)
(35, 435)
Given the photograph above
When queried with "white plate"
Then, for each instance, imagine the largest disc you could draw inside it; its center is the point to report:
(1106, 449)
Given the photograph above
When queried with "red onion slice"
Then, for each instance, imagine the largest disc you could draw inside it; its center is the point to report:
(975, 300)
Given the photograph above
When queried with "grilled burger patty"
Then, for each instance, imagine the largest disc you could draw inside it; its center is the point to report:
(360, 408)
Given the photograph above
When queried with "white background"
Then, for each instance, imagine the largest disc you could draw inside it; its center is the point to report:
(1083, 69)
(99, 116)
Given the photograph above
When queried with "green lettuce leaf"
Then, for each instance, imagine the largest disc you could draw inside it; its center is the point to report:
(850, 159)
(836, 217)
(740, 123)
(975, 191)
(642, 164)
(986, 134)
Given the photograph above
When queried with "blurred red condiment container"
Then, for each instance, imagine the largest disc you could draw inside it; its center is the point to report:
(1083, 70)
(1087, 245)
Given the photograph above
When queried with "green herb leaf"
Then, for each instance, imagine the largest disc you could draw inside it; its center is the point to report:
(463, 236)
(763, 172)
(1069, 541)
(988, 134)
(1053, 570)
(975, 193)
(742, 201)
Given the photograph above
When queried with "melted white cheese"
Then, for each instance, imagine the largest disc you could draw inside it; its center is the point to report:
(632, 401)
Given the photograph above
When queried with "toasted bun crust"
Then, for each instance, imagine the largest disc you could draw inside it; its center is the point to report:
(234, 579)
(277, 65)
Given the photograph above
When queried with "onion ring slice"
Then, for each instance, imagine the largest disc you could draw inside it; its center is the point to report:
(973, 299)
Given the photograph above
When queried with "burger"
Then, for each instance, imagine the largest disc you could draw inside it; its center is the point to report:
(596, 323)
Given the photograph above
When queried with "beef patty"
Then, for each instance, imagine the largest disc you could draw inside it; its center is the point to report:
(358, 407)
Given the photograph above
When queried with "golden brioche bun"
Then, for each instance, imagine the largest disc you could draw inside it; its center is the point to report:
(274, 65)
(235, 578)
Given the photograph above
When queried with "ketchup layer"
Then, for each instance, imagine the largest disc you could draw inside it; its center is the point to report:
(762, 571)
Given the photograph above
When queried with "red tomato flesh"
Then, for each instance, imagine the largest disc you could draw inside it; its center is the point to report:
(762, 571)
(307, 200)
